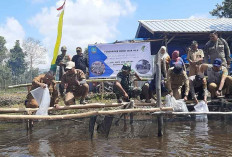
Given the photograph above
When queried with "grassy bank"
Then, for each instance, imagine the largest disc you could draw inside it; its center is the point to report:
(16, 97)
(12, 97)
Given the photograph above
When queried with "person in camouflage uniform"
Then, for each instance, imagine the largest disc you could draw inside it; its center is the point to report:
(123, 86)
(61, 61)
(217, 48)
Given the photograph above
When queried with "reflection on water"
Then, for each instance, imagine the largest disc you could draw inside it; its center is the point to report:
(71, 138)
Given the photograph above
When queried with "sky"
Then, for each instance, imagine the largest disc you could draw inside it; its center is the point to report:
(89, 21)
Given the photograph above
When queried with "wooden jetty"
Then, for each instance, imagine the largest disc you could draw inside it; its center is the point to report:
(121, 110)
(126, 108)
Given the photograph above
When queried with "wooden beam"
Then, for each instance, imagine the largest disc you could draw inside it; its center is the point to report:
(86, 106)
(192, 113)
(88, 80)
(81, 115)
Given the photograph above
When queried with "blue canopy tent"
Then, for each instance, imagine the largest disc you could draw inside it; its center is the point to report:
(177, 34)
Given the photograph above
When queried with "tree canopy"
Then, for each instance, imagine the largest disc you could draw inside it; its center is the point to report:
(19, 64)
(3, 49)
(223, 10)
(35, 52)
(17, 60)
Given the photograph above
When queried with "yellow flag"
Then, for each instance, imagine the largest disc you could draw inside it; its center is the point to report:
(58, 39)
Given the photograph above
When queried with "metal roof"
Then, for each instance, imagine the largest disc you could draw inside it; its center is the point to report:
(187, 25)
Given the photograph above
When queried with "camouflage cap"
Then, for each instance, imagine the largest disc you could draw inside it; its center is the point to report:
(126, 67)
(194, 42)
(63, 48)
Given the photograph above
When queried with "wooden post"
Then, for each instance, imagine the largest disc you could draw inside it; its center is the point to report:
(166, 42)
(29, 124)
(222, 109)
(158, 94)
(92, 122)
(102, 91)
(4, 84)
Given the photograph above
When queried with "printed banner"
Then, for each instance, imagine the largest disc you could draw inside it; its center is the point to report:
(106, 60)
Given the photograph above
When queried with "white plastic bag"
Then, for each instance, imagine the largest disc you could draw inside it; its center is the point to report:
(178, 105)
(201, 107)
(42, 97)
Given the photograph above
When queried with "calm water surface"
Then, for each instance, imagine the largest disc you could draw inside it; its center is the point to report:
(71, 138)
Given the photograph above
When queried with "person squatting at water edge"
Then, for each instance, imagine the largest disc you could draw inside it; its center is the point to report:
(74, 82)
(123, 87)
(198, 88)
(176, 78)
(219, 83)
(149, 89)
(43, 81)
(195, 57)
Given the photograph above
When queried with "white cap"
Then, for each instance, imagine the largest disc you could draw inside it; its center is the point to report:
(70, 65)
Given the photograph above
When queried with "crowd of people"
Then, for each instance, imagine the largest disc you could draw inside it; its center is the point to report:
(207, 72)
(72, 74)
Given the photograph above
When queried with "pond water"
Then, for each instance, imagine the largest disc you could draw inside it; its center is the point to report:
(185, 137)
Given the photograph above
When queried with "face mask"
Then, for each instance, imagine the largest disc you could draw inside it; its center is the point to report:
(78, 51)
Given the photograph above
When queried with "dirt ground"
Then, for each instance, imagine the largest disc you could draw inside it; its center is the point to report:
(9, 99)
(17, 98)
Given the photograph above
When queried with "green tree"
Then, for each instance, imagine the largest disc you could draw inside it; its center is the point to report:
(223, 10)
(3, 49)
(5, 75)
(16, 61)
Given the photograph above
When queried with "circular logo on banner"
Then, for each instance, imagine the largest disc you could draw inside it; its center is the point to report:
(98, 68)
(93, 49)
(143, 66)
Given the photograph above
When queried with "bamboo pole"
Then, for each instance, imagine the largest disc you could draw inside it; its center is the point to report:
(193, 113)
(88, 80)
(158, 93)
(87, 106)
(102, 91)
(79, 115)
